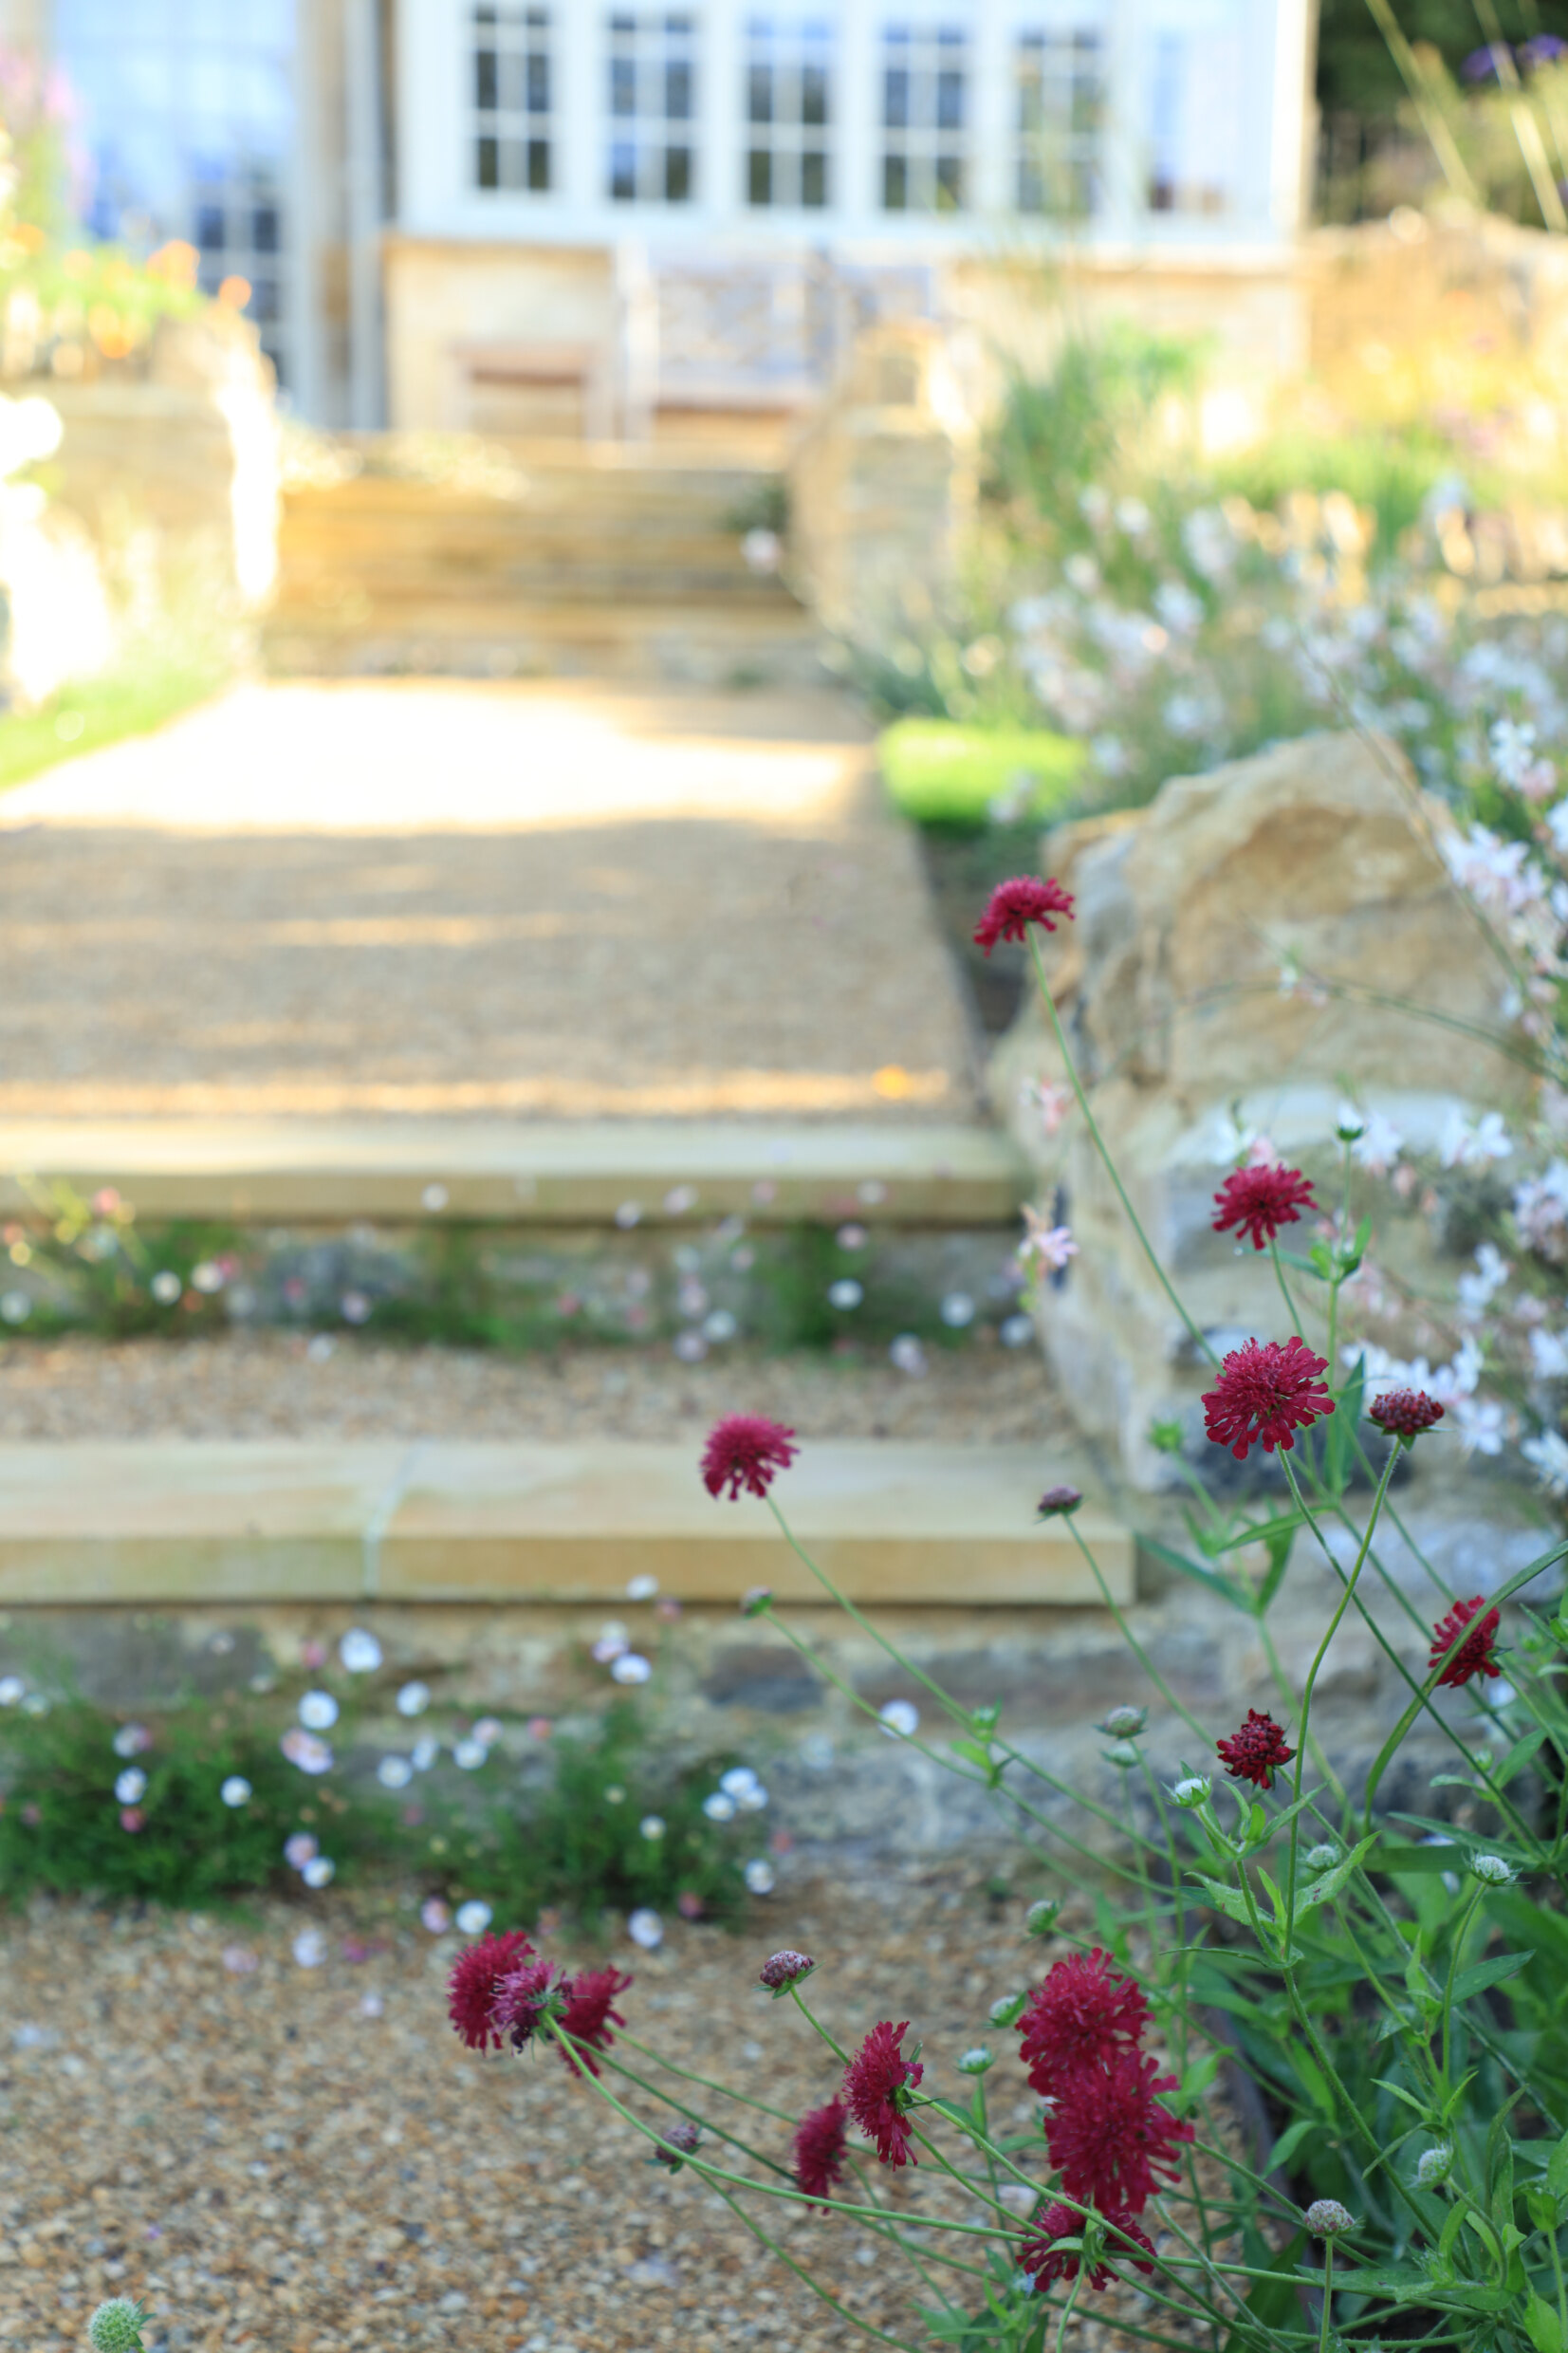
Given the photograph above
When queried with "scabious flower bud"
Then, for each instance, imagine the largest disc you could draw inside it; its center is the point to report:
(1008, 2011)
(1124, 1723)
(1322, 1858)
(1042, 1917)
(975, 2061)
(1058, 1502)
(117, 2326)
(1193, 1792)
(755, 1599)
(1325, 2218)
(783, 1970)
(1432, 2166)
(678, 2143)
(1122, 1752)
(1492, 1869)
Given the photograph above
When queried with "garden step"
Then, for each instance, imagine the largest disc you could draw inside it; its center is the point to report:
(249, 1523)
(544, 1173)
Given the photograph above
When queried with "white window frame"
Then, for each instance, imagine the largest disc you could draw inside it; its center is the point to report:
(523, 127)
(664, 40)
(934, 38)
(437, 199)
(785, 137)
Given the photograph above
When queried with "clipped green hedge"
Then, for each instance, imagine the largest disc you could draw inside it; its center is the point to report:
(940, 773)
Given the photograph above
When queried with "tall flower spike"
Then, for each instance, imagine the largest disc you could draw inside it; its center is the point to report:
(1475, 1656)
(471, 1986)
(1110, 2137)
(1257, 1201)
(1255, 1751)
(1079, 2015)
(1013, 906)
(745, 1450)
(1264, 1392)
(878, 2081)
(819, 2149)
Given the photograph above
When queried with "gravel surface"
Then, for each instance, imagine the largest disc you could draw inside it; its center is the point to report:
(268, 1385)
(430, 897)
(298, 2160)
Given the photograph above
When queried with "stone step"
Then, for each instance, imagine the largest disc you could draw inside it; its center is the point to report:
(182, 1524)
(635, 641)
(510, 1172)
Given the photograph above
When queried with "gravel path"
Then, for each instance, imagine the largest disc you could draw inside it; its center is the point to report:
(299, 2160)
(268, 1385)
(439, 898)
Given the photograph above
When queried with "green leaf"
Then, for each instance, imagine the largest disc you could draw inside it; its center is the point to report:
(1262, 1532)
(1472, 1981)
(1557, 2169)
(1195, 2081)
(1227, 1899)
(1324, 1889)
(1542, 2326)
(1420, 1858)
(1289, 2141)
(1518, 1757)
(1221, 1587)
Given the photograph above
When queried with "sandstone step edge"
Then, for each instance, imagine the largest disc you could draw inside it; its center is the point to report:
(202, 1524)
(521, 1173)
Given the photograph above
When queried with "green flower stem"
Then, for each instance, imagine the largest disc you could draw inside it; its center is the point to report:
(1423, 1699)
(1108, 1163)
(747, 2148)
(744, 2099)
(1326, 2323)
(1068, 2309)
(1461, 1930)
(1124, 1629)
(1314, 1670)
(816, 2026)
(1010, 1755)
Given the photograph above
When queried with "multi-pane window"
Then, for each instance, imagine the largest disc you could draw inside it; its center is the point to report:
(237, 226)
(1195, 112)
(788, 109)
(926, 102)
(1059, 86)
(652, 55)
(513, 96)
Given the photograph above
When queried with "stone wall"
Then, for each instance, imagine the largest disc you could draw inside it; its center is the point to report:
(1254, 945)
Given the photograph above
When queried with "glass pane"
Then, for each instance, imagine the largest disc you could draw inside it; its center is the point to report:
(539, 84)
(677, 175)
(759, 177)
(484, 80)
(539, 164)
(949, 101)
(759, 94)
(623, 172)
(896, 98)
(814, 180)
(677, 91)
(623, 86)
(814, 94)
(949, 184)
(485, 166)
(894, 184)
(264, 229)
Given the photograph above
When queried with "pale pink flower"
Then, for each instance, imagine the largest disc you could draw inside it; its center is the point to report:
(1045, 1249)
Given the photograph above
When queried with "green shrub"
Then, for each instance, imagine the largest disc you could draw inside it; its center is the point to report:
(940, 773)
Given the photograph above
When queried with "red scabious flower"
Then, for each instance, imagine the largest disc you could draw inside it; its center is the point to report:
(1255, 1750)
(519, 2000)
(1475, 1656)
(1110, 2137)
(1265, 1391)
(1404, 1413)
(1260, 1200)
(589, 2013)
(746, 1450)
(874, 2080)
(470, 1986)
(820, 2150)
(1079, 2015)
(1038, 2254)
(1013, 906)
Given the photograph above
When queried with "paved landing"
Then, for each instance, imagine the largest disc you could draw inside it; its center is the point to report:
(442, 899)
(188, 1522)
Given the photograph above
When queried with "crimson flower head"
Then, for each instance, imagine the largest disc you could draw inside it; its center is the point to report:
(1404, 1413)
(1079, 2015)
(1265, 1391)
(783, 1970)
(1257, 1201)
(1013, 906)
(589, 2013)
(744, 1450)
(1475, 1656)
(820, 2150)
(1110, 2135)
(521, 2000)
(682, 2142)
(471, 1985)
(878, 2081)
(1038, 2251)
(1255, 1751)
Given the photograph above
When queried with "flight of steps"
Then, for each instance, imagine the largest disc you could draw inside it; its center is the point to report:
(535, 559)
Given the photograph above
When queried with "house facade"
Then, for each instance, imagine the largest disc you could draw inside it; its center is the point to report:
(572, 217)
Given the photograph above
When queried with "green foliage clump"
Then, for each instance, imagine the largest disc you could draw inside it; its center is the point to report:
(942, 773)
